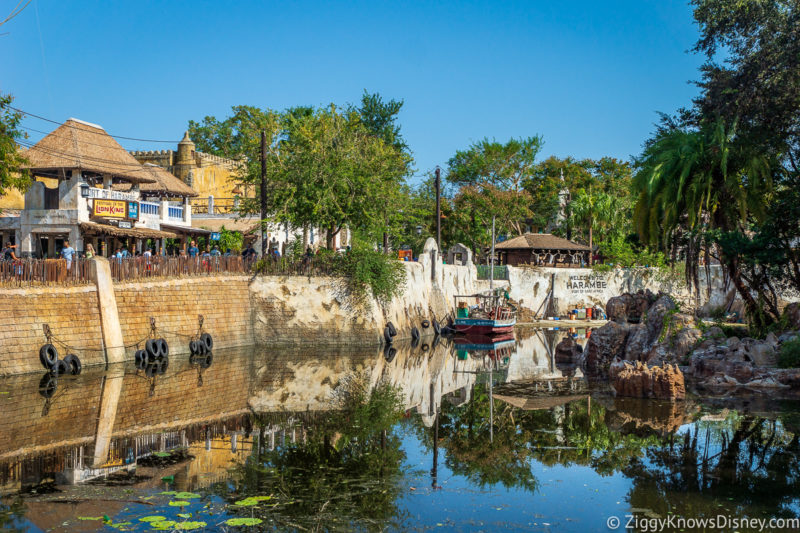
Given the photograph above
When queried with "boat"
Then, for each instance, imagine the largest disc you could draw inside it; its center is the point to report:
(491, 316)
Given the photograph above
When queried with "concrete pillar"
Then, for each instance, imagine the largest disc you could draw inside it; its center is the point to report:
(76, 239)
(107, 181)
(211, 204)
(187, 211)
(100, 271)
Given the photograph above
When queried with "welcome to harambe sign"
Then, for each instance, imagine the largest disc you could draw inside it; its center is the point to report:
(586, 284)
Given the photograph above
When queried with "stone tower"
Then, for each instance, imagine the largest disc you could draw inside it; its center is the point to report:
(185, 162)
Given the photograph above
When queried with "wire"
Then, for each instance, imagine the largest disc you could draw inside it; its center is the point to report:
(90, 130)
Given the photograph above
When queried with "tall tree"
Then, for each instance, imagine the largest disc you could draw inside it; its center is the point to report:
(11, 157)
(701, 180)
(491, 176)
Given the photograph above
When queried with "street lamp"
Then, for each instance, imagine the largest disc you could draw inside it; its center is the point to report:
(84, 190)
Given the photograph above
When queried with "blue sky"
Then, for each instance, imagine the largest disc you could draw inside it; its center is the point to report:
(588, 76)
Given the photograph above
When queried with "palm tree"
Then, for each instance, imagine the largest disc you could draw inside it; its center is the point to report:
(701, 180)
(597, 210)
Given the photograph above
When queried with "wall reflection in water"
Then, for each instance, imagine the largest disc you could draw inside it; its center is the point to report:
(320, 430)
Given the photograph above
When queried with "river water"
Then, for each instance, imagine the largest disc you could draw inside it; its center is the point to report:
(432, 436)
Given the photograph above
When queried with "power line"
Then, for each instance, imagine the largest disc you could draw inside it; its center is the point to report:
(90, 131)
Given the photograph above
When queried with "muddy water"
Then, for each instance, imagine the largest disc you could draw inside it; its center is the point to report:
(487, 438)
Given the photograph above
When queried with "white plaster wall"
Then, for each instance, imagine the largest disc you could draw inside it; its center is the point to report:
(531, 285)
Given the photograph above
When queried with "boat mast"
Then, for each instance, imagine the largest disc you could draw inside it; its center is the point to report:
(491, 268)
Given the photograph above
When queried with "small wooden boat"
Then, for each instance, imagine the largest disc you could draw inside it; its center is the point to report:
(491, 315)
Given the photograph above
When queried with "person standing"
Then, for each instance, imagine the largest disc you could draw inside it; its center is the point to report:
(193, 249)
(89, 251)
(68, 253)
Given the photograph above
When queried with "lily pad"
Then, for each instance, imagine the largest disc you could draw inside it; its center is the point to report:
(163, 524)
(168, 492)
(186, 495)
(179, 503)
(185, 515)
(252, 500)
(186, 526)
(243, 521)
(162, 454)
(90, 518)
(152, 518)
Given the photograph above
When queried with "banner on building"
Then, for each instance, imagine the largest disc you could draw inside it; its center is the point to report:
(110, 208)
(116, 209)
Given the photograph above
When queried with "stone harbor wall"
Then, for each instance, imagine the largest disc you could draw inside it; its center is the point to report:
(583, 287)
(74, 318)
(71, 313)
(301, 310)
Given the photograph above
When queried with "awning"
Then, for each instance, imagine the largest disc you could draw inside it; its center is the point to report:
(186, 229)
(114, 231)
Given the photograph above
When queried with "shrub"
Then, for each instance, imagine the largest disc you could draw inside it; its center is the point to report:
(789, 356)
(365, 272)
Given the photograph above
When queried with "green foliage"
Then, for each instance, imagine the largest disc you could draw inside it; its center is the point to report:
(325, 167)
(490, 176)
(622, 252)
(230, 240)
(367, 273)
(11, 158)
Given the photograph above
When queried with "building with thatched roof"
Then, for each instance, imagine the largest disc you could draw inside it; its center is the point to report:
(542, 249)
(89, 189)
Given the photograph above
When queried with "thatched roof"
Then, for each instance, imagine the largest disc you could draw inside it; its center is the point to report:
(84, 146)
(540, 403)
(165, 183)
(114, 231)
(540, 241)
(244, 225)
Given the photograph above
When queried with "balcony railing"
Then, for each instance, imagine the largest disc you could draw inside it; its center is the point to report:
(175, 212)
(210, 205)
(150, 208)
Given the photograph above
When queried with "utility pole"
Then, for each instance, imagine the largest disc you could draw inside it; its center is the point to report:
(438, 184)
(263, 193)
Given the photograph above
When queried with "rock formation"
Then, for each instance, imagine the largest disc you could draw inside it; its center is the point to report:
(640, 381)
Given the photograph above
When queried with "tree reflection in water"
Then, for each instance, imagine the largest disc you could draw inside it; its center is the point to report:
(344, 472)
(678, 462)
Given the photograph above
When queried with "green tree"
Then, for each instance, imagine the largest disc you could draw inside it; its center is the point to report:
(11, 157)
(697, 180)
(491, 177)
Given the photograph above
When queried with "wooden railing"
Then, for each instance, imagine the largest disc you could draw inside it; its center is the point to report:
(31, 272)
(137, 268)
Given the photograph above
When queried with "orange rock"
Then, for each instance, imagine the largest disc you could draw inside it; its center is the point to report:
(640, 381)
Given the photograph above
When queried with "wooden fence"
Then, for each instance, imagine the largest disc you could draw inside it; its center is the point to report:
(35, 272)
(32, 272)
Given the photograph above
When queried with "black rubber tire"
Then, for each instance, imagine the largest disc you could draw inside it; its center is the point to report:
(163, 365)
(390, 353)
(386, 335)
(426, 324)
(140, 359)
(415, 343)
(48, 356)
(414, 333)
(48, 385)
(206, 339)
(205, 363)
(436, 327)
(392, 329)
(60, 369)
(425, 347)
(201, 348)
(151, 369)
(435, 342)
(163, 348)
(151, 347)
(74, 364)
(193, 349)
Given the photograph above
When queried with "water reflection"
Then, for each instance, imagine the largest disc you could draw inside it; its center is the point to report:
(343, 438)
